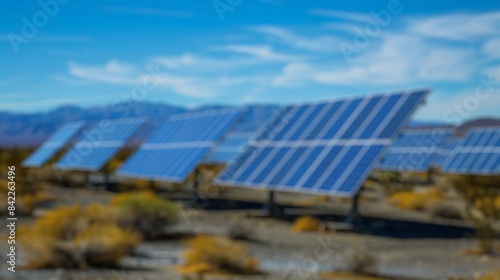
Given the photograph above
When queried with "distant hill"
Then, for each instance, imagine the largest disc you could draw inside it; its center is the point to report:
(486, 122)
(30, 130)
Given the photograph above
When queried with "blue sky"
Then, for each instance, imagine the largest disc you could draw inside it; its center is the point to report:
(193, 53)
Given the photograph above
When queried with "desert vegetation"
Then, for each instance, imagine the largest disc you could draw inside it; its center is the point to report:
(209, 254)
(77, 237)
(96, 235)
(306, 223)
(145, 212)
(417, 200)
(481, 195)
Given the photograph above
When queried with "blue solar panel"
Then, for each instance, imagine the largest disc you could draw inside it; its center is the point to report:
(228, 149)
(325, 147)
(179, 145)
(99, 145)
(478, 153)
(446, 152)
(415, 150)
(53, 145)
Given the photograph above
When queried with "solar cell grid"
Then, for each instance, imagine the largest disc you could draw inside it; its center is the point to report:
(53, 145)
(179, 145)
(415, 150)
(477, 154)
(228, 149)
(325, 147)
(98, 145)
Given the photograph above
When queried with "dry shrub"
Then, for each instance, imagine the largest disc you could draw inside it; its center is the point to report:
(494, 275)
(104, 244)
(392, 182)
(207, 254)
(240, 231)
(410, 200)
(146, 213)
(497, 203)
(76, 237)
(306, 223)
(480, 194)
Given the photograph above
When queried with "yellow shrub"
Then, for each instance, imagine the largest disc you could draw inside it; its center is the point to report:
(105, 244)
(98, 213)
(206, 254)
(76, 237)
(408, 200)
(62, 223)
(494, 275)
(146, 213)
(306, 223)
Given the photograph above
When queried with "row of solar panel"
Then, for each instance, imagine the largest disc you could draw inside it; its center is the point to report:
(327, 147)
(415, 151)
(477, 153)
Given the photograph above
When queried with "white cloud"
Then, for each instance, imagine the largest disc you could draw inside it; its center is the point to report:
(191, 84)
(113, 72)
(408, 55)
(492, 48)
(264, 52)
(461, 27)
(189, 62)
(493, 71)
(323, 43)
(293, 75)
(453, 107)
(343, 15)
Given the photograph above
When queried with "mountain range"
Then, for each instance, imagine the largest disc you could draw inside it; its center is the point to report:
(30, 130)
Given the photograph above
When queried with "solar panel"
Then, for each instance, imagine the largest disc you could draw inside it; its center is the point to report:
(99, 144)
(415, 150)
(53, 145)
(446, 152)
(227, 149)
(478, 153)
(179, 145)
(326, 147)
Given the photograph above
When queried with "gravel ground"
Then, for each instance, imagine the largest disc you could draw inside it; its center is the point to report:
(283, 254)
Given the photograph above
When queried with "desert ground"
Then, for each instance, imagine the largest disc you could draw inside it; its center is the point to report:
(422, 249)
